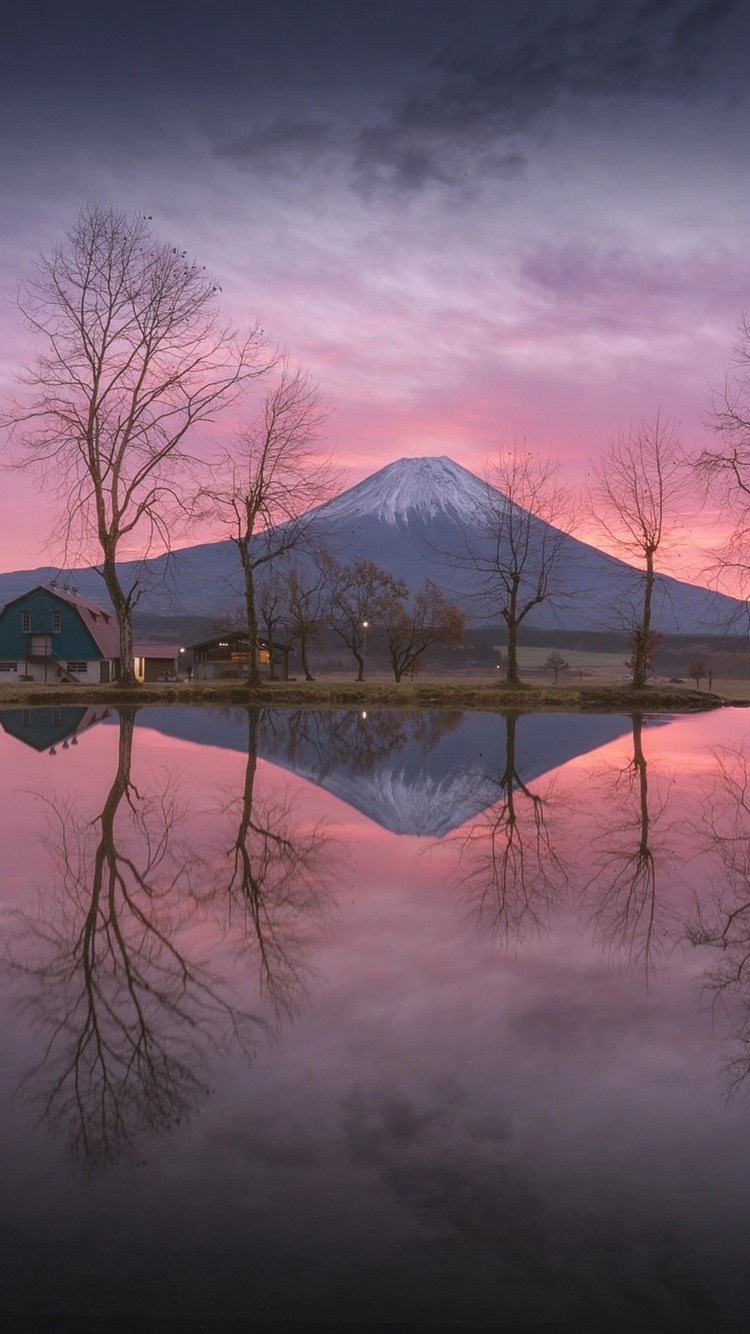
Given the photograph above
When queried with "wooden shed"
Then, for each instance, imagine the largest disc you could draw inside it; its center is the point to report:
(227, 656)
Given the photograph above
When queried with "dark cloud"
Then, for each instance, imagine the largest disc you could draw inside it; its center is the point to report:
(597, 51)
(412, 97)
(702, 21)
(388, 159)
(496, 93)
(280, 141)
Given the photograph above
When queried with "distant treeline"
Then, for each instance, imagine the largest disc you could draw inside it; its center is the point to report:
(726, 655)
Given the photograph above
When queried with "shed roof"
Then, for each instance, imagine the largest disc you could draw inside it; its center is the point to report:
(165, 651)
(231, 637)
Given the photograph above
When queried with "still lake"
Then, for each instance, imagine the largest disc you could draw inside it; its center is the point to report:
(373, 1019)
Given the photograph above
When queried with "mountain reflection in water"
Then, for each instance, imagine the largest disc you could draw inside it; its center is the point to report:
(272, 1064)
(413, 773)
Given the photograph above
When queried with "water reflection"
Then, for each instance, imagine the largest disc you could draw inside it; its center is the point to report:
(422, 773)
(272, 879)
(510, 861)
(632, 848)
(720, 921)
(451, 1130)
(112, 961)
(46, 729)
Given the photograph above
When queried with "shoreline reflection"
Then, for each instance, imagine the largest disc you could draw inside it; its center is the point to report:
(634, 850)
(508, 862)
(425, 1096)
(110, 965)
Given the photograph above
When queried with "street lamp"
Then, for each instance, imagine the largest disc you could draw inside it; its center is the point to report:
(364, 649)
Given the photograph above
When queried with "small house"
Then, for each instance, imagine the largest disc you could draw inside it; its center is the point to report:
(155, 662)
(228, 656)
(52, 634)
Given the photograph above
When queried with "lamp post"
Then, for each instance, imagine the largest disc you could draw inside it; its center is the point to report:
(364, 649)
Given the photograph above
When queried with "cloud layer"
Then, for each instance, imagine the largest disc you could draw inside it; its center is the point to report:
(511, 222)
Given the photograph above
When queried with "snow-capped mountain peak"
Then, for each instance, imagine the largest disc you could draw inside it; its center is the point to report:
(409, 488)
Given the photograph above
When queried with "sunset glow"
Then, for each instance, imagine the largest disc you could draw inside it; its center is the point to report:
(474, 225)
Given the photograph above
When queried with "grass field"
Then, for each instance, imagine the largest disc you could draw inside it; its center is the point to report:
(593, 681)
(456, 692)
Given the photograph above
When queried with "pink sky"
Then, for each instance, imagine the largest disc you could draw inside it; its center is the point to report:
(469, 233)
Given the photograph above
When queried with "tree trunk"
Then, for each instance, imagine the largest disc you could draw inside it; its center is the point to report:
(510, 616)
(643, 632)
(639, 763)
(360, 664)
(303, 657)
(511, 676)
(124, 613)
(251, 615)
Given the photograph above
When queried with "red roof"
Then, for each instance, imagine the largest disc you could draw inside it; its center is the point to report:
(169, 651)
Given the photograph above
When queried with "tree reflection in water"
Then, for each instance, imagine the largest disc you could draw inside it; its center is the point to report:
(108, 964)
(272, 878)
(356, 740)
(629, 914)
(721, 916)
(510, 862)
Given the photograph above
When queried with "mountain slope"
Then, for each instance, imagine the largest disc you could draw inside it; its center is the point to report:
(417, 518)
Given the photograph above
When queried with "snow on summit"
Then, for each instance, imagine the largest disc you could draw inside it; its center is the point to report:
(423, 486)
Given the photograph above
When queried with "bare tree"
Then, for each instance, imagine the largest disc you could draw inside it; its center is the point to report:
(516, 561)
(359, 595)
(134, 358)
(409, 632)
(264, 486)
(273, 606)
(699, 670)
(637, 492)
(643, 644)
(306, 598)
(725, 470)
(555, 662)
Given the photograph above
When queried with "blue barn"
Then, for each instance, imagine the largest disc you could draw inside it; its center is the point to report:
(51, 634)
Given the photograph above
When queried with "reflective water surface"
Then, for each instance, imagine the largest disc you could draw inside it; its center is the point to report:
(347, 1018)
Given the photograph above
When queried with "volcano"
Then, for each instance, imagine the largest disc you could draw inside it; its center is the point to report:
(416, 518)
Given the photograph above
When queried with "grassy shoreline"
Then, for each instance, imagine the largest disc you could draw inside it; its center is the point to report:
(489, 696)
